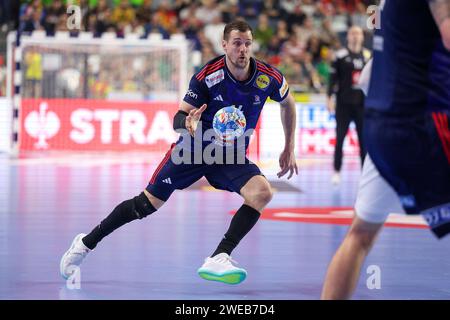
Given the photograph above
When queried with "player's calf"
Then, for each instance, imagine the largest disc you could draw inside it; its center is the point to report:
(138, 207)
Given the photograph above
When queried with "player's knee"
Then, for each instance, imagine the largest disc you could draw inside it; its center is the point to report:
(142, 206)
(157, 203)
(261, 196)
(362, 238)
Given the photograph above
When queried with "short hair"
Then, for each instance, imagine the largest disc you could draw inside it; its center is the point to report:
(239, 25)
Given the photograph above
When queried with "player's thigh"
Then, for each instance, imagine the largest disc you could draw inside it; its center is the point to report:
(170, 176)
(375, 199)
(232, 177)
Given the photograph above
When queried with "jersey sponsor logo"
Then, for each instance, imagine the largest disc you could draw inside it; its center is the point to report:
(215, 78)
(192, 94)
(262, 81)
(284, 88)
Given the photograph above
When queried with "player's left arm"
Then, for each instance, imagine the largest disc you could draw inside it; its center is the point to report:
(441, 13)
(288, 119)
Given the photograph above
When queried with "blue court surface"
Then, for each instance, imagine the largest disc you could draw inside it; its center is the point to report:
(45, 201)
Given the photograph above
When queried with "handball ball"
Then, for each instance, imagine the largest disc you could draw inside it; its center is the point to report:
(229, 124)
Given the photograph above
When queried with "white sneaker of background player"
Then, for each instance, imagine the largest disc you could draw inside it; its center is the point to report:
(220, 268)
(336, 178)
(73, 257)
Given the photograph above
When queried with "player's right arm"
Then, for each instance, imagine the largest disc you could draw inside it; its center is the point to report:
(441, 13)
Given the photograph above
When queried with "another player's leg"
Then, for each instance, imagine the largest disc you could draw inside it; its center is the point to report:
(345, 267)
(342, 124)
(375, 200)
(257, 194)
(359, 123)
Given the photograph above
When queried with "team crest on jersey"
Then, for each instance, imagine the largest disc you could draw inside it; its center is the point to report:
(262, 82)
(257, 100)
(214, 78)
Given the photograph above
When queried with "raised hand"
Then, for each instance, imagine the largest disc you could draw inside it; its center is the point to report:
(193, 118)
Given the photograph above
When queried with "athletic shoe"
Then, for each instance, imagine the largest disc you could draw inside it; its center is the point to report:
(336, 178)
(220, 268)
(73, 257)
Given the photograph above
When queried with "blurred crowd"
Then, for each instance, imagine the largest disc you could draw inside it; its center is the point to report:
(297, 36)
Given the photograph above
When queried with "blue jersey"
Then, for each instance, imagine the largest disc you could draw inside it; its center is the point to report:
(411, 66)
(215, 86)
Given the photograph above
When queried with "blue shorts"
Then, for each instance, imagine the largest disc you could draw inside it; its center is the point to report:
(169, 176)
(413, 155)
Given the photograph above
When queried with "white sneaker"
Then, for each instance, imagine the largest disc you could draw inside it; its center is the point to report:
(73, 257)
(220, 268)
(336, 178)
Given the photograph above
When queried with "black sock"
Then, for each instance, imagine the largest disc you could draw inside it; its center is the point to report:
(129, 210)
(242, 222)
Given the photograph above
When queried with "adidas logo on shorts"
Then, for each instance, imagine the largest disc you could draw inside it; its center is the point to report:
(168, 181)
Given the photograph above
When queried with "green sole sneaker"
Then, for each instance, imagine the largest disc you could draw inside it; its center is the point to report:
(229, 278)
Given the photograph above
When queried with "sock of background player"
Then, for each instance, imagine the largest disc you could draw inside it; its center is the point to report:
(137, 208)
(242, 222)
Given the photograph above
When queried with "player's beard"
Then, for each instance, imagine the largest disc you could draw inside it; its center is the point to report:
(240, 63)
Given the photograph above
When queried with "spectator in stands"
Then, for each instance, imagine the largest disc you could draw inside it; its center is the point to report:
(360, 16)
(123, 13)
(314, 47)
(327, 35)
(231, 12)
(282, 31)
(340, 23)
(287, 8)
(292, 48)
(310, 78)
(305, 31)
(144, 12)
(297, 16)
(264, 31)
(250, 9)
(324, 67)
(214, 33)
(52, 16)
(208, 11)
(31, 17)
(166, 16)
(272, 9)
(100, 18)
(155, 27)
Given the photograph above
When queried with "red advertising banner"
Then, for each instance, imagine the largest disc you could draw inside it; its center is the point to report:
(323, 141)
(96, 125)
(99, 125)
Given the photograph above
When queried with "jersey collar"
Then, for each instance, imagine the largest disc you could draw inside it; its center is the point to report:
(252, 72)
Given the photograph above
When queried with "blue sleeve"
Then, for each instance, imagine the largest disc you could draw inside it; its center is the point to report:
(281, 90)
(197, 93)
